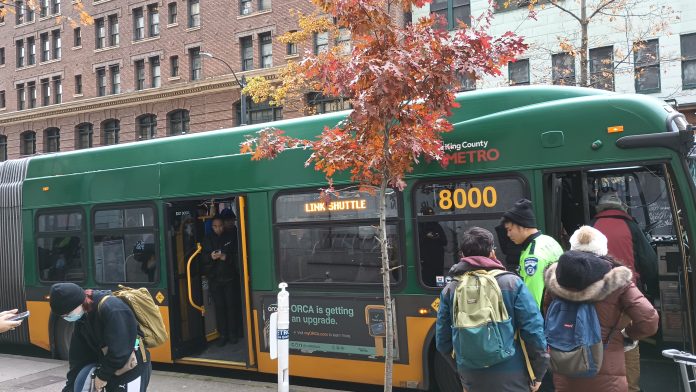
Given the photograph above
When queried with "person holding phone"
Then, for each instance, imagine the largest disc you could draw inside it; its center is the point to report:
(6, 322)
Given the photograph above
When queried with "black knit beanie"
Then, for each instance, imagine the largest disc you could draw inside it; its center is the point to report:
(577, 270)
(65, 297)
(522, 214)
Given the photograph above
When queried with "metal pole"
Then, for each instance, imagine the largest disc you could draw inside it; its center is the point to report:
(243, 102)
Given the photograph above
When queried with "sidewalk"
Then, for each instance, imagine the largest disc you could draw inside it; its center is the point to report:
(18, 373)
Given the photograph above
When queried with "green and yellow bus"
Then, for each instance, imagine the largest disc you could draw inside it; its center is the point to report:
(79, 216)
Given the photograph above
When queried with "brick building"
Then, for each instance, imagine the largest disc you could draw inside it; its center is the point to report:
(140, 72)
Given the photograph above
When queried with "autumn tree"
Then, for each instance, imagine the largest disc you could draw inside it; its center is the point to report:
(401, 80)
(627, 23)
(79, 16)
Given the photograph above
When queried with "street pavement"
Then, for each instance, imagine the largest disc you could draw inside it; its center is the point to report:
(20, 373)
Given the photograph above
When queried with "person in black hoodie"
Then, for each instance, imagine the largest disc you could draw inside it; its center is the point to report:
(105, 343)
(221, 268)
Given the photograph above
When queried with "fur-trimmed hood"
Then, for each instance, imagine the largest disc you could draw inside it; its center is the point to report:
(615, 279)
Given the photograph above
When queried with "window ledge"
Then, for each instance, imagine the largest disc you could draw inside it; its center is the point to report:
(26, 67)
(97, 2)
(292, 56)
(78, 95)
(170, 25)
(188, 29)
(172, 78)
(24, 24)
(49, 17)
(49, 61)
(76, 47)
(255, 13)
(106, 49)
(3, 109)
(146, 39)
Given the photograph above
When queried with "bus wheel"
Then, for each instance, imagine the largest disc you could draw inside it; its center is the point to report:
(445, 374)
(63, 334)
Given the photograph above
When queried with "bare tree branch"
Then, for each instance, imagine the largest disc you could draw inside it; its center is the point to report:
(555, 4)
(601, 7)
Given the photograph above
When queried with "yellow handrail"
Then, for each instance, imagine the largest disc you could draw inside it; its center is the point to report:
(188, 278)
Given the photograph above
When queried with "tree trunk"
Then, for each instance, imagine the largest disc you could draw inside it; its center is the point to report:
(386, 275)
(584, 43)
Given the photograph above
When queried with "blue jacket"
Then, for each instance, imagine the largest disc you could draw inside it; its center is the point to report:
(511, 375)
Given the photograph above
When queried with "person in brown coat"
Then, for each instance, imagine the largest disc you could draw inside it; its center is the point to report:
(622, 309)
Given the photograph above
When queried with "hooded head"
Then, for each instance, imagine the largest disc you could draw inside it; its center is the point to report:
(578, 270)
(65, 297)
(588, 239)
(610, 201)
(142, 252)
(521, 214)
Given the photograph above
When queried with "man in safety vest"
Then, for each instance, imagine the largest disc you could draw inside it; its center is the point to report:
(538, 250)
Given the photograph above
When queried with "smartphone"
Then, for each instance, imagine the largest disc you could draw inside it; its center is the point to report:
(20, 316)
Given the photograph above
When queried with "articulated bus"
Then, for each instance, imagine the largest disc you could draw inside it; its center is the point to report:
(80, 216)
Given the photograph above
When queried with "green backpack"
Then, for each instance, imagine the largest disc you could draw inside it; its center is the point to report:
(482, 330)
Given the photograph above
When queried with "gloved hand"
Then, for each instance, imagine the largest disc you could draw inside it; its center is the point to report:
(628, 343)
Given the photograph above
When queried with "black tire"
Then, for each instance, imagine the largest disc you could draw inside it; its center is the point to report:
(62, 334)
(445, 374)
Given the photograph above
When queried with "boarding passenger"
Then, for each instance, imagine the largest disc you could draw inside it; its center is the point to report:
(222, 269)
(623, 312)
(106, 348)
(513, 373)
(5, 323)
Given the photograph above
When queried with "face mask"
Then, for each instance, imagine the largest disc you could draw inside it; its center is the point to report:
(71, 318)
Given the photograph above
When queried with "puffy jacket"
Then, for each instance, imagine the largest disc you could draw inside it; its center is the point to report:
(511, 375)
(619, 305)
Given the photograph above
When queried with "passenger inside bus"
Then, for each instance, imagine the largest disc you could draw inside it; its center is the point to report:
(432, 241)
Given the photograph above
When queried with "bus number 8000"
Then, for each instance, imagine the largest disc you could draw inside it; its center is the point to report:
(472, 198)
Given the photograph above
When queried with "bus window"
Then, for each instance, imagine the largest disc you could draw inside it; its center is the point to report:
(59, 246)
(125, 245)
(336, 243)
(446, 208)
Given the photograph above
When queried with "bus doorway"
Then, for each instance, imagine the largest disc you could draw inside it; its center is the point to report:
(209, 311)
(647, 195)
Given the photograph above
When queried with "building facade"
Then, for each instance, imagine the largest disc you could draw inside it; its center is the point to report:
(651, 51)
(144, 69)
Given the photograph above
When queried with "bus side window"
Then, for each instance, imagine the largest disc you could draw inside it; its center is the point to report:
(60, 254)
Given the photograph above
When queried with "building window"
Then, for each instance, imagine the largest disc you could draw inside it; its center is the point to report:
(518, 72)
(2, 56)
(31, 89)
(77, 36)
(258, 113)
(45, 47)
(344, 41)
(138, 24)
(19, 12)
(110, 132)
(3, 148)
(196, 64)
(563, 69)
(21, 96)
(43, 9)
(174, 66)
(194, 13)
(147, 127)
(647, 66)
(319, 103)
(99, 33)
(31, 51)
(3, 102)
(57, 90)
(264, 5)
(55, 7)
(52, 140)
(688, 60)
(155, 71)
(27, 143)
(452, 11)
(291, 47)
(266, 49)
(115, 79)
(172, 13)
(153, 20)
(83, 136)
(101, 82)
(55, 38)
(78, 84)
(19, 44)
(178, 122)
(245, 7)
(45, 92)
(321, 42)
(467, 82)
(247, 53)
(114, 38)
(602, 68)
(140, 74)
